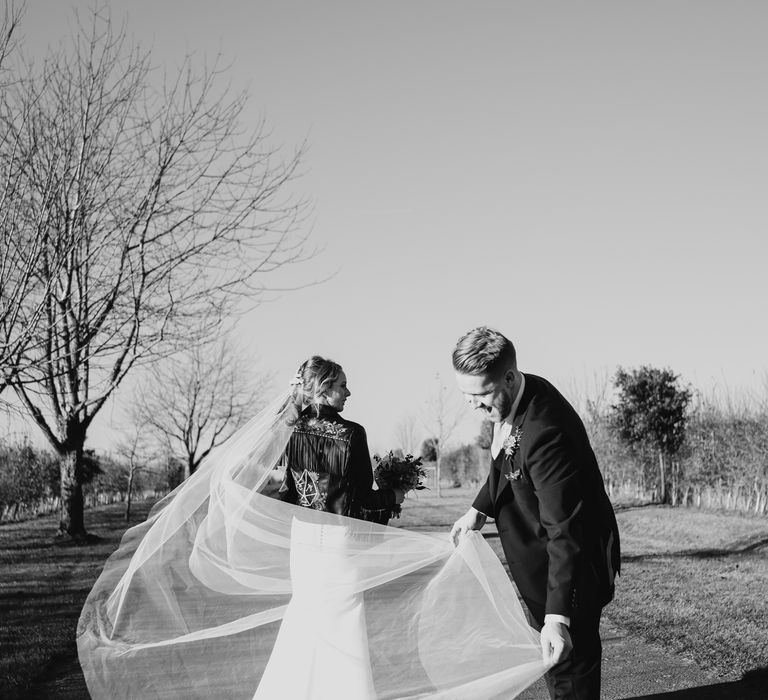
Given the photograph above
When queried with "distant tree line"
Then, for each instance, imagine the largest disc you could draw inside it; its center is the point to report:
(186, 406)
(658, 441)
(30, 480)
(662, 442)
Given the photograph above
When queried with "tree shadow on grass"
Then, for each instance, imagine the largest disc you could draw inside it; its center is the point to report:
(633, 505)
(736, 548)
(753, 686)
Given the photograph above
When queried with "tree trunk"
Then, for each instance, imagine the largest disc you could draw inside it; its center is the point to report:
(71, 521)
(128, 495)
(189, 467)
(662, 479)
(437, 471)
(673, 482)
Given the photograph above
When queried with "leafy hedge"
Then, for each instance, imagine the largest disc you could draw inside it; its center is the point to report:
(27, 476)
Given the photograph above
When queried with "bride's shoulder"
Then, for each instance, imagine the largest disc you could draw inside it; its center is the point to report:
(332, 426)
(352, 426)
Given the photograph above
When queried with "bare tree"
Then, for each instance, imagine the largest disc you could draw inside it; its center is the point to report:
(590, 394)
(407, 434)
(162, 210)
(443, 414)
(9, 27)
(133, 449)
(196, 399)
(22, 291)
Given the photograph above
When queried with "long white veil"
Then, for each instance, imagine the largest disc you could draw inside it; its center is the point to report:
(190, 604)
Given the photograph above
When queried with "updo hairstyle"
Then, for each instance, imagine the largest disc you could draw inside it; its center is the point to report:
(312, 381)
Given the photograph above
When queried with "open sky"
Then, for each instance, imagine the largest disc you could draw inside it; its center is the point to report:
(590, 178)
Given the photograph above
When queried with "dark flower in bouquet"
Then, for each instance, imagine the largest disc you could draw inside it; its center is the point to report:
(404, 473)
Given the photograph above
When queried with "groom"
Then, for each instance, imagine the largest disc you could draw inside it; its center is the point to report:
(546, 494)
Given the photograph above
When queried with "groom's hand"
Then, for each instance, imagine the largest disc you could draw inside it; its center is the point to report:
(555, 642)
(471, 520)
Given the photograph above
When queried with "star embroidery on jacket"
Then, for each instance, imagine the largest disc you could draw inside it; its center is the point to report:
(308, 488)
(510, 446)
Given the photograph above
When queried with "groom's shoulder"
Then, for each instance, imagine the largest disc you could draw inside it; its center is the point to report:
(546, 403)
(541, 391)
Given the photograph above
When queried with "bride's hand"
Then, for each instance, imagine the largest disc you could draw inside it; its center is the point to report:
(471, 520)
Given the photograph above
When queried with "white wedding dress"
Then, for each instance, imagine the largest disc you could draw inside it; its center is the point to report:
(227, 593)
(322, 646)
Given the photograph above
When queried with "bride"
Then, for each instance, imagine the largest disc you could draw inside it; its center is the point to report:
(226, 592)
(327, 468)
(328, 463)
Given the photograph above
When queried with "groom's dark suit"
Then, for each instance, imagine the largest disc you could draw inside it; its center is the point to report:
(557, 527)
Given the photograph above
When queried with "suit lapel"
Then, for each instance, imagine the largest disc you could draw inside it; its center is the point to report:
(502, 460)
(501, 465)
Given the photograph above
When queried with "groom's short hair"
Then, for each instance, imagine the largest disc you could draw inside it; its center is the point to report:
(484, 350)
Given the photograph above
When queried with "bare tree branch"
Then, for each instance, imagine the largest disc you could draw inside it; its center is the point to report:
(195, 400)
(443, 415)
(135, 453)
(22, 292)
(407, 434)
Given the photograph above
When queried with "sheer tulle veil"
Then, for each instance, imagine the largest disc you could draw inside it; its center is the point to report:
(190, 604)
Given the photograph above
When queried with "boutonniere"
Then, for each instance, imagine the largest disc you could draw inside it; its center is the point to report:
(510, 446)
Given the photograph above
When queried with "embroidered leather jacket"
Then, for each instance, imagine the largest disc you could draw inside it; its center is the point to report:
(328, 466)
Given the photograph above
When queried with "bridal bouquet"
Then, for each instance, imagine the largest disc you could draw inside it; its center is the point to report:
(405, 474)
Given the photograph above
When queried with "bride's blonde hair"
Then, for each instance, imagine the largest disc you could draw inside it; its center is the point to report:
(313, 379)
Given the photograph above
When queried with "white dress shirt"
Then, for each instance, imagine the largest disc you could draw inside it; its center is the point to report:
(501, 431)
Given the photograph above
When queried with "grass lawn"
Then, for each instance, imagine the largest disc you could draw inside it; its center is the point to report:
(43, 585)
(697, 583)
(422, 509)
(694, 582)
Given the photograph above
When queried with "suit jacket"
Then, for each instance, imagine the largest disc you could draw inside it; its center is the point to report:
(328, 466)
(556, 524)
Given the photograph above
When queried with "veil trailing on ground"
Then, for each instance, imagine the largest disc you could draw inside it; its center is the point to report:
(190, 604)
